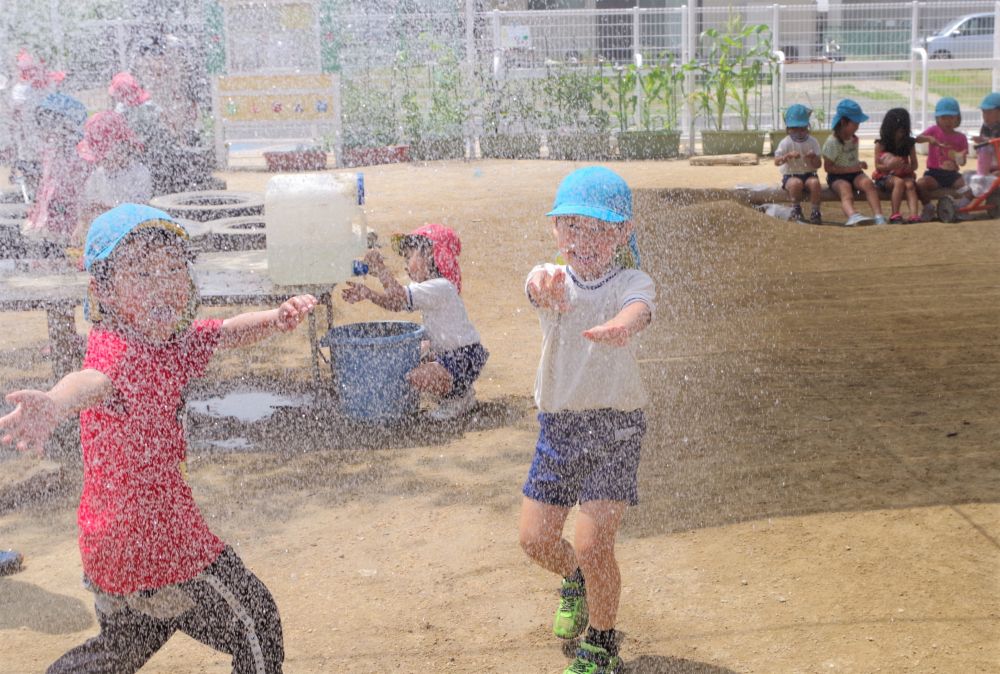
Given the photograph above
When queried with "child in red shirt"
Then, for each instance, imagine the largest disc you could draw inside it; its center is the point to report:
(148, 555)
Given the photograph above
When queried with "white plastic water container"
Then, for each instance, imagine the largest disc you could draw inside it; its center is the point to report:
(315, 227)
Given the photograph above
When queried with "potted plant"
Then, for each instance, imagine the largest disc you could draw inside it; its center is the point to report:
(732, 77)
(370, 125)
(438, 135)
(302, 158)
(512, 106)
(658, 137)
(577, 128)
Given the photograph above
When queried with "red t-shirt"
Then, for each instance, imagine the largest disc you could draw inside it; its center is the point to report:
(139, 525)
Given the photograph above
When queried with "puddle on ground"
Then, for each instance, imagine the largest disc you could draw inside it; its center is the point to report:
(246, 406)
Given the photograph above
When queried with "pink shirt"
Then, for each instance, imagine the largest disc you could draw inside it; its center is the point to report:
(57, 204)
(139, 525)
(954, 140)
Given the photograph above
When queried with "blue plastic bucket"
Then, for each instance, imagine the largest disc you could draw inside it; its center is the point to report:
(370, 362)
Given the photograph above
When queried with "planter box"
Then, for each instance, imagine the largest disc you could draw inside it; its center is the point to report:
(819, 134)
(511, 146)
(431, 149)
(295, 160)
(732, 142)
(649, 144)
(580, 146)
(370, 156)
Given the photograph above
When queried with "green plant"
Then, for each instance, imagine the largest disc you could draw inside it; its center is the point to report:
(732, 76)
(569, 94)
(661, 85)
(512, 104)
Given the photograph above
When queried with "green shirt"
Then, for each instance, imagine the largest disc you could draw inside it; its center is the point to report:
(841, 154)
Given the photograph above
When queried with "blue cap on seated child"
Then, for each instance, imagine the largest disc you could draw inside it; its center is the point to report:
(947, 106)
(991, 102)
(797, 116)
(850, 110)
(594, 192)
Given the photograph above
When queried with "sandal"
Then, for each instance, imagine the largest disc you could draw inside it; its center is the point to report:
(896, 218)
(914, 219)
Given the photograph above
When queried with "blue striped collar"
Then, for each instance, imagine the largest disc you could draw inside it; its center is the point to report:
(595, 284)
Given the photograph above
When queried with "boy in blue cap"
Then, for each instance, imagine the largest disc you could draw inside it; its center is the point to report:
(147, 552)
(845, 173)
(797, 156)
(590, 398)
(990, 108)
(947, 151)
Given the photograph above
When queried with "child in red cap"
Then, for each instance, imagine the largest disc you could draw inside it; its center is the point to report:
(455, 356)
(119, 175)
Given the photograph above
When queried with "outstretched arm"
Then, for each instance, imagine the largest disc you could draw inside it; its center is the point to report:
(37, 413)
(254, 326)
(630, 321)
(394, 297)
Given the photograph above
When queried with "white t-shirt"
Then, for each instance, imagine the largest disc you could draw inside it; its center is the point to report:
(130, 185)
(446, 322)
(575, 373)
(799, 165)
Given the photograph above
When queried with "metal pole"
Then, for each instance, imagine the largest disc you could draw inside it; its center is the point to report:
(690, 38)
(996, 45)
(914, 39)
(775, 48)
(637, 60)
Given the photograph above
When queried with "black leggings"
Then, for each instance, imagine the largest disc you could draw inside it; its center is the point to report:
(227, 608)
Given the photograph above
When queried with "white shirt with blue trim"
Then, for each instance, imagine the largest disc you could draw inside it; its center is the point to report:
(446, 323)
(575, 373)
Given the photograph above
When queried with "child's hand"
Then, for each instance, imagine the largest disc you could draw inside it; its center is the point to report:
(355, 292)
(292, 311)
(792, 155)
(608, 333)
(375, 261)
(32, 421)
(863, 165)
(548, 291)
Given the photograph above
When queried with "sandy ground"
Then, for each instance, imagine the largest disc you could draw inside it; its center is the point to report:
(819, 480)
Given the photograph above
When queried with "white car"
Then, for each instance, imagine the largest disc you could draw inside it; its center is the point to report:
(967, 37)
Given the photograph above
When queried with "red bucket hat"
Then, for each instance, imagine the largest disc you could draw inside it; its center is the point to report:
(102, 133)
(126, 89)
(33, 70)
(446, 247)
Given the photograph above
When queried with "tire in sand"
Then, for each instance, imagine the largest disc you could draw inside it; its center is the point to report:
(209, 204)
(243, 233)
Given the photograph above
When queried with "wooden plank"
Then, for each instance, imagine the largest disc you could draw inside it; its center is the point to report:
(743, 159)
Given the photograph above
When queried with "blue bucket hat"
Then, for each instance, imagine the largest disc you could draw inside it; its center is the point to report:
(109, 228)
(947, 106)
(797, 116)
(991, 102)
(595, 192)
(848, 109)
(73, 110)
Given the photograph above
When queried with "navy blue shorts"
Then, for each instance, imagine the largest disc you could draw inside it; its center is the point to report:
(801, 176)
(831, 178)
(586, 456)
(944, 178)
(464, 365)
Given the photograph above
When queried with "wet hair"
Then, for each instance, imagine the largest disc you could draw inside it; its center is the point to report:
(420, 244)
(895, 120)
(150, 236)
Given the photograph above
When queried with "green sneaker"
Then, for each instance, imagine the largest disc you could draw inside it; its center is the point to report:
(593, 660)
(571, 616)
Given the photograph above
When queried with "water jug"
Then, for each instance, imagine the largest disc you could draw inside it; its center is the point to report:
(315, 227)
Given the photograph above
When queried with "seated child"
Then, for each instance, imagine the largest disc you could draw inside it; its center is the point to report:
(455, 356)
(798, 157)
(987, 165)
(55, 214)
(119, 176)
(896, 163)
(948, 151)
(148, 555)
(844, 172)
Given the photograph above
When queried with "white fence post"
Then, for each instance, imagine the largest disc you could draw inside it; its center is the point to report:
(996, 45)
(776, 97)
(637, 59)
(914, 42)
(688, 42)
